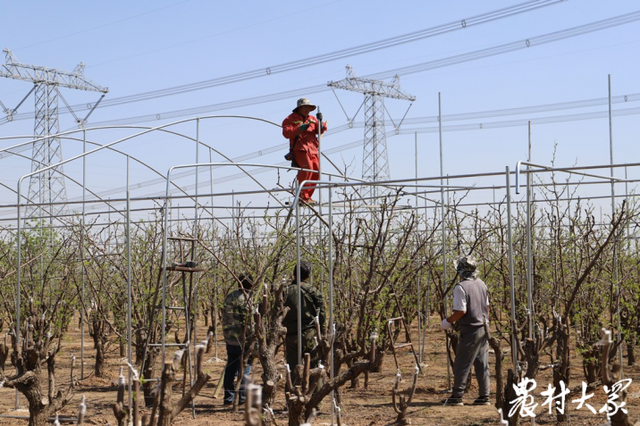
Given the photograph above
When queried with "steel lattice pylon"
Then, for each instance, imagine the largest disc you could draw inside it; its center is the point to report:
(49, 186)
(375, 160)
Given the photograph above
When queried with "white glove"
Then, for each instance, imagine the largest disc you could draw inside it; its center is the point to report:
(446, 325)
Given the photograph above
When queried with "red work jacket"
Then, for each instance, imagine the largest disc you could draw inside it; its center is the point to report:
(306, 141)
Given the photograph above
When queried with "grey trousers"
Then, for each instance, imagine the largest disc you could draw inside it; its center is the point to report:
(473, 348)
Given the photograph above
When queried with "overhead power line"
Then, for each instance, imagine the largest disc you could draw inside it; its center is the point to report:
(331, 56)
(523, 121)
(447, 128)
(451, 118)
(425, 66)
(516, 45)
(406, 130)
(339, 54)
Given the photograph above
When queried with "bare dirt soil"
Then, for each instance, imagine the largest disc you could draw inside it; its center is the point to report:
(360, 406)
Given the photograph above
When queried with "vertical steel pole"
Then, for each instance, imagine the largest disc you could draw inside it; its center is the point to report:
(427, 312)
(193, 297)
(319, 118)
(165, 231)
(18, 279)
(442, 212)
(320, 212)
(298, 281)
(529, 253)
(514, 351)
(419, 319)
(215, 270)
(442, 209)
(82, 271)
(331, 266)
(616, 239)
(129, 295)
(428, 282)
(613, 203)
(215, 311)
(331, 330)
(415, 142)
(196, 234)
(416, 164)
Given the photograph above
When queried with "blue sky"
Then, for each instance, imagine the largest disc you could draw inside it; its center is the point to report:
(144, 46)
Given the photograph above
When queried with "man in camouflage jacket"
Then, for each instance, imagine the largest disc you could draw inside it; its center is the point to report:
(236, 328)
(312, 307)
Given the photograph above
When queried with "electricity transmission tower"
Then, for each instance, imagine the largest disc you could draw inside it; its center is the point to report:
(375, 160)
(47, 187)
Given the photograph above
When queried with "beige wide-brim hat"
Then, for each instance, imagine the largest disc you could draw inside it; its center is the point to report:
(466, 264)
(304, 102)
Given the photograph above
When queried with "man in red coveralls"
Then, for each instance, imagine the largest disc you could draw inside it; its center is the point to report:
(302, 131)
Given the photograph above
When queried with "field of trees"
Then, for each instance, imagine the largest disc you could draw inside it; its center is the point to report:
(556, 281)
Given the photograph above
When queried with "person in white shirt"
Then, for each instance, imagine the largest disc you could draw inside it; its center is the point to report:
(470, 312)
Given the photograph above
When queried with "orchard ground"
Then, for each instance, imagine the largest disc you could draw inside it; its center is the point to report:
(360, 406)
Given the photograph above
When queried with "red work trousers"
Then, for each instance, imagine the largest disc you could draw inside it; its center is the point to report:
(307, 160)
